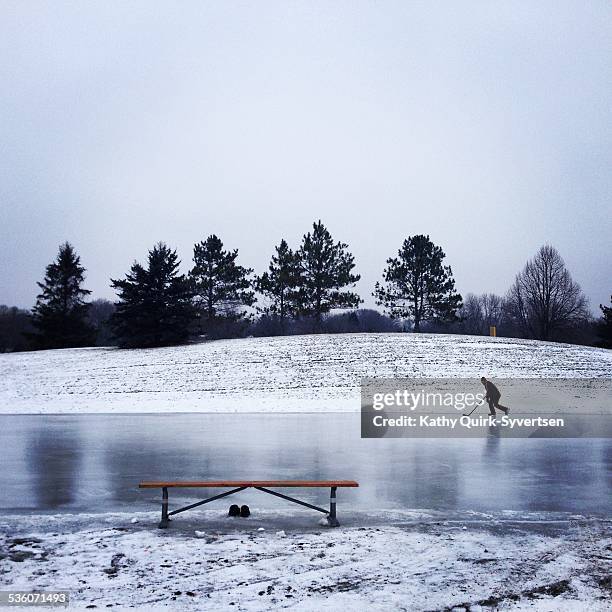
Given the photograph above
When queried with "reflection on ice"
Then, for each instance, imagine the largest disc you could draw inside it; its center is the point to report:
(94, 462)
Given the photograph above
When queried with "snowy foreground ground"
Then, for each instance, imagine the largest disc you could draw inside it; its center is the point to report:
(405, 561)
(294, 374)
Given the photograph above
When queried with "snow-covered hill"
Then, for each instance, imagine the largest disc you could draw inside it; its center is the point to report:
(290, 374)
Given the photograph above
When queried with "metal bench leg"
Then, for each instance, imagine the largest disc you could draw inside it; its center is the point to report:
(331, 518)
(163, 524)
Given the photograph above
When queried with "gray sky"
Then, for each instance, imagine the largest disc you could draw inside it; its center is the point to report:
(486, 125)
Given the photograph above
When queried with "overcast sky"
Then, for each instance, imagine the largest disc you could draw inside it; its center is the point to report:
(486, 125)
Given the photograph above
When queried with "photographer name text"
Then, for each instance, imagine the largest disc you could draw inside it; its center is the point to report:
(467, 422)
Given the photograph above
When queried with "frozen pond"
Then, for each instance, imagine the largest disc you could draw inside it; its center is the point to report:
(91, 463)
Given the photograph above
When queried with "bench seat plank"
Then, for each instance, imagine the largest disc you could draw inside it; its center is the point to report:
(247, 483)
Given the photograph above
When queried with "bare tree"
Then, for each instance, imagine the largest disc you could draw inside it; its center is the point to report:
(492, 307)
(544, 301)
(480, 312)
(99, 317)
(471, 316)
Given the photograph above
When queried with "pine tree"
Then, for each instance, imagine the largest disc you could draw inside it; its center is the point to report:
(325, 271)
(60, 314)
(280, 283)
(155, 303)
(604, 326)
(417, 285)
(223, 288)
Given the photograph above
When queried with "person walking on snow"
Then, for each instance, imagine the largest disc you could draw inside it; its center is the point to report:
(493, 395)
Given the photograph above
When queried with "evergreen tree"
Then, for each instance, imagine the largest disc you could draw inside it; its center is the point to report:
(60, 314)
(280, 283)
(155, 303)
(604, 326)
(222, 287)
(417, 285)
(325, 271)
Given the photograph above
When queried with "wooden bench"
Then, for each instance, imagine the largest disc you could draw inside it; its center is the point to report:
(241, 485)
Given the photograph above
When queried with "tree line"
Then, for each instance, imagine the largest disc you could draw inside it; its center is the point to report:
(298, 293)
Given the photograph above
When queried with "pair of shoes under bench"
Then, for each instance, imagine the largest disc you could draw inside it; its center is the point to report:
(236, 511)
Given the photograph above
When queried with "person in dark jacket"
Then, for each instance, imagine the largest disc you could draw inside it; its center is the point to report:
(493, 395)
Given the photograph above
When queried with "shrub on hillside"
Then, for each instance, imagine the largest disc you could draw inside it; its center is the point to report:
(15, 324)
